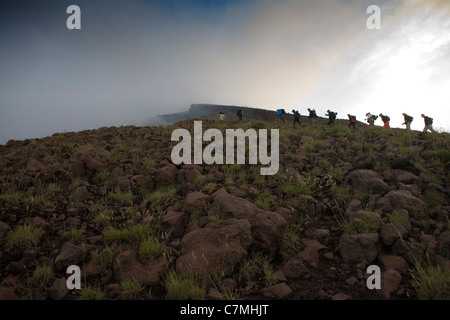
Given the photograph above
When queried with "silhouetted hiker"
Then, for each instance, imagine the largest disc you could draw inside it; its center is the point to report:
(312, 115)
(428, 123)
(371, 118)
(352, 120)
(281, 114)
(331, 116)
(408, 120)
(221, 115)
(239, 114)
(385, 120)
(296, 116)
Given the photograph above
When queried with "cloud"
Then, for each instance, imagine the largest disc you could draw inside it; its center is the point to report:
(135, 59)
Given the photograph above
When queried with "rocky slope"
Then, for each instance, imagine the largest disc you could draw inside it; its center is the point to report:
(111, 201)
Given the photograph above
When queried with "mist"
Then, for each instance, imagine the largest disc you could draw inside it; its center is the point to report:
(135, 59)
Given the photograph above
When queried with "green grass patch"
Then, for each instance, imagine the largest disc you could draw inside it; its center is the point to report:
(24, 236)
(183, 288)
(10, 199)
(367, 224)
(162, 196)
(38, 203)
(433, 282)
(401, 218)
(89, 293)
(258, 266)
(290, 240)
(104, 257)
(132, 288)
(121, 198)
(132, 234)
(150, 248)
(41, 277)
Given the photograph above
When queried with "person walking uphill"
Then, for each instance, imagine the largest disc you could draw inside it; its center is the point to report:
(408, 120)
(371, 118)
(331, 117)
(281, 114)
(352, 120)
(428, 123)
(385, 120)
(312, 115)
(221, 115)
(296, 116)
(239, 114)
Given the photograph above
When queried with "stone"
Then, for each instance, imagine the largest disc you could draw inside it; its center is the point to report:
(113, 291)
(38, 222)
(391, 232)
(444, 239)
(389, 283)
(368, 180)
(312, 243)
(442, 262)
(70, 255)
(310, 256)
(284, 212)
(351, 281)
(15, 267)
(195, 201)
(321, 234)
(279, 275)
(58, 290)
(409, 178)
(400, 199)
(174, 224)
(431, 243)
(358, 248)
(125, 265)
(91, 269)
(267, 227)
(294, 268)
(278, 291)
(217, 248)
(4, 228)
(393, 262)
(166, 176)
(7, 293)
(341, 296)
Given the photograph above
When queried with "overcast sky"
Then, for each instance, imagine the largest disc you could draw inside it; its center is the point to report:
(133, 59)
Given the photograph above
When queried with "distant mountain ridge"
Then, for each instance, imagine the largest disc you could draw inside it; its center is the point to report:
(211, 111)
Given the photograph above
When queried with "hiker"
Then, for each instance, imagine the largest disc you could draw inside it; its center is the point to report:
(408, 120)
(385, 120)
(331, 116)
(239, 114)
(281, 114)
(221, 115)
(312, 115)
(296, 116)
(352, 121)
(371, 118)
(428, 123)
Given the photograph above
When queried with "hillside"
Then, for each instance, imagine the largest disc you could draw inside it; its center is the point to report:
(111, 201)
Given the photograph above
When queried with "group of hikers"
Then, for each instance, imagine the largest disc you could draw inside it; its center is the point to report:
(371, 118)
(407, 121)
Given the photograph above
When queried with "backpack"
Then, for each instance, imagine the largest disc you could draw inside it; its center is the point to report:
(387, 118)
(409, 118)
(333, 115)
(428, 120)
(352, 119)
(374, 117)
